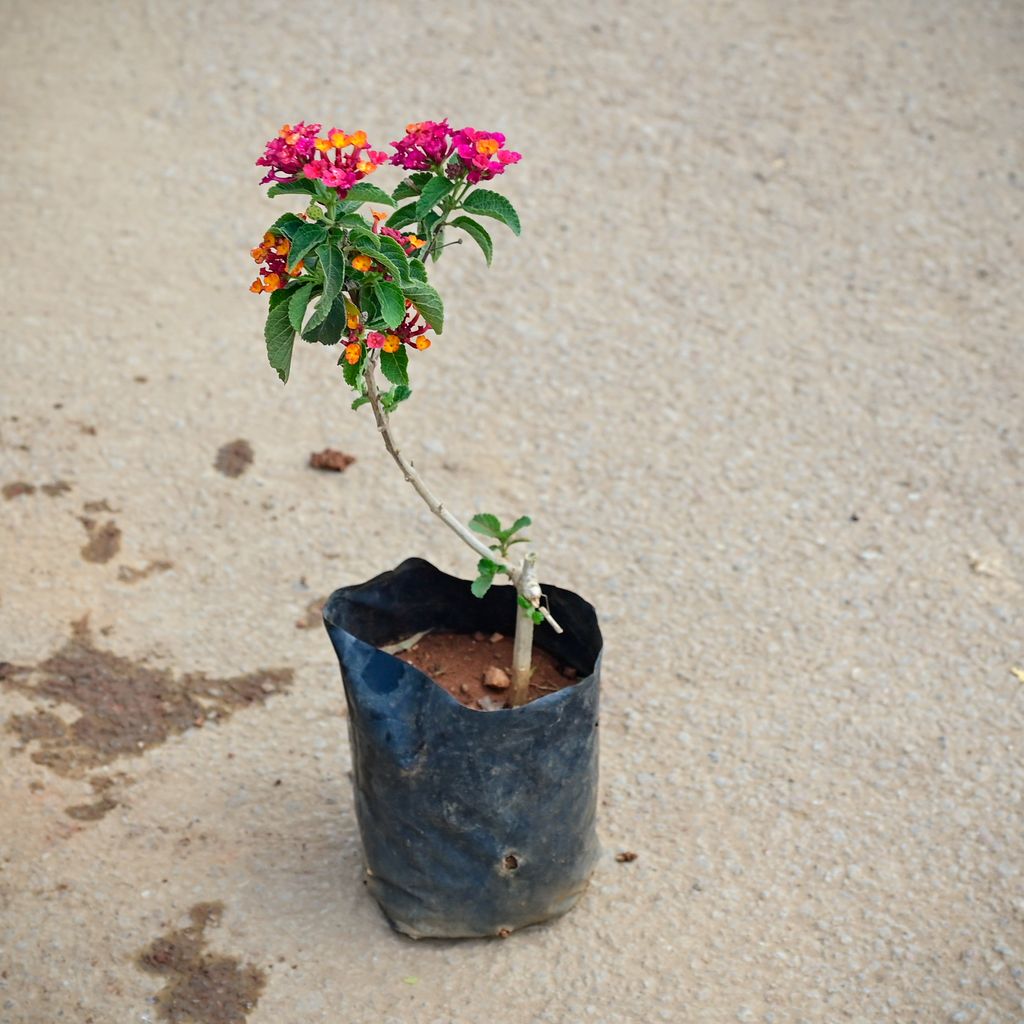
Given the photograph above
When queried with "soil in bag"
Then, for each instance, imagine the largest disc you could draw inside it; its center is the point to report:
(476, 669)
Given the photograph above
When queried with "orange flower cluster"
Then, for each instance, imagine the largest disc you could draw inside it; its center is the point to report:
(273, 254)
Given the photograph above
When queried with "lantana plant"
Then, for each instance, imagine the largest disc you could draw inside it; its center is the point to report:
(344, 273)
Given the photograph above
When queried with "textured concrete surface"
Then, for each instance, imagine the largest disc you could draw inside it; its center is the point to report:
(769, 299)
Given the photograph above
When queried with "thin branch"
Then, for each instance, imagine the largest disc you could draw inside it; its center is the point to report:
(527, 586)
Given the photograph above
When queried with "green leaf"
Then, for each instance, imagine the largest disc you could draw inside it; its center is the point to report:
(350, 220)
(303, 186)
(284, 294)
(362, 400)
(426, 300)
(478, 233)
(403, 217)
(297, 305)
(287, 224)
(433, 192)
(418, 270)
(323, 308)
(333, 265)
(371, 307)
(364, 192)
(305, 239)
(280, 337)
(523, 603)
(520, 524)
(487, 524)
(537, 617)
(492, 204)
(361, 236)
(411, 186)
(391, 301)
(481, 585)
(353, 372)
(395, 366)
(390, 248)
(328, 330)
(488, 566)
(391, 399)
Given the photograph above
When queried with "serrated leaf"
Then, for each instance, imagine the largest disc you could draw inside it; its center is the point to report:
(287, 224)
(300, 186)
(403, 217)
(350, 220)
(280, 338)
(487, 524)
(284, 294)
(306, 238)
(390, 248)
(353, 372)
(412, 185)
(395, 366)
(365, 192)
(391, 301)
(481, 585)
(478, 233)
(487, 566)
(520, 524)
(407, 188)
(426, 300)
(323, 308)
(486, 203)
(328, 331)
(297, 305)
(433, 192)
(363, 236)
(362, 400)
(333, 265)
(417, 270)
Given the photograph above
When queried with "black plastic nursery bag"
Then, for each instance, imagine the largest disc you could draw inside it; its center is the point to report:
(473, 823)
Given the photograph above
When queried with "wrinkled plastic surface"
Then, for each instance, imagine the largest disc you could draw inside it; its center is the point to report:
(473, 823)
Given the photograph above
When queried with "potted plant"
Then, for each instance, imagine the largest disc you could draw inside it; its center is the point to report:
(474, 755)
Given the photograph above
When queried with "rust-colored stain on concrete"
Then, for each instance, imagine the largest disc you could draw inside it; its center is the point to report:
(234, 458)
(104, 541)
(124, 707)
(202, 987)
(18, 488)
(126, 574)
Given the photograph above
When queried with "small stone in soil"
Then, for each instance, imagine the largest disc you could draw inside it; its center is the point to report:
(496, 638)
(479, 637)
(569, 672)
(496, 678)
(626, 856)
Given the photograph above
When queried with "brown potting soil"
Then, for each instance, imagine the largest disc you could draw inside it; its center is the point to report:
(460, 663)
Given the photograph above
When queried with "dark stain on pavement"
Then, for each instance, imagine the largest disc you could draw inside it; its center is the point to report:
(126, 574)
(201, 987)
(234, 458)
(104, 541)
(124, 707)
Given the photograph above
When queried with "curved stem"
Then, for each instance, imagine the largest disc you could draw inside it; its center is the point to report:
(524, 580)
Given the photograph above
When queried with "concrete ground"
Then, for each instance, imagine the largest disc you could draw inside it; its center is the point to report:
(754, 367)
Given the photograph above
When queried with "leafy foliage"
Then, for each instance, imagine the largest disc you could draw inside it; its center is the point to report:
(478, 233)
(486, 203)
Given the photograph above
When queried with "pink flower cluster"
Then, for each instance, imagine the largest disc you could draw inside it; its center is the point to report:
(289, 152)
(483, 153)
(298, 150)
(427, 144)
